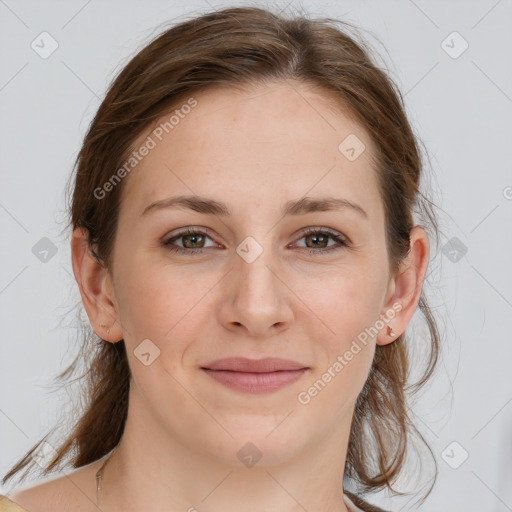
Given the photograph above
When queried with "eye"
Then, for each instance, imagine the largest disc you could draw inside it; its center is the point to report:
(319, 238)
(194, 241)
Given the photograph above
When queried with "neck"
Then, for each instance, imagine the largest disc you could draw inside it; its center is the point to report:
(141, 474)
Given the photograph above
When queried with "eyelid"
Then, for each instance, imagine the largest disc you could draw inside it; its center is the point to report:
(340, 239)
(190, 230)
(319, 229)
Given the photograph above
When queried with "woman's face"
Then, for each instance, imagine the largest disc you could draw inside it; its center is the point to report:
(260, 286)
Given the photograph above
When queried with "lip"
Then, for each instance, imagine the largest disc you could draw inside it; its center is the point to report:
(243, 364)
(255, 375)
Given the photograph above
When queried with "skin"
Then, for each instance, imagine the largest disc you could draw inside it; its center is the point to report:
(254, 150)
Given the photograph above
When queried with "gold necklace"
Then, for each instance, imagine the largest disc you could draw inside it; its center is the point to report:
(99, 478)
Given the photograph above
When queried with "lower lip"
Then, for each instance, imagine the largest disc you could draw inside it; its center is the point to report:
(255, 382)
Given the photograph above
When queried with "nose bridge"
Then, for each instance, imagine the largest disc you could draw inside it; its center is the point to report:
(256, 280)
(258, 295)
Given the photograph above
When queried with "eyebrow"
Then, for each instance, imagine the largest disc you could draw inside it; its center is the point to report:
(211, 207)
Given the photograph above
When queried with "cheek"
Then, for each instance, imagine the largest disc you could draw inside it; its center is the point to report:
(349, 299)
(345, 350)
(159, 303)
(350, 307)
(158, 306)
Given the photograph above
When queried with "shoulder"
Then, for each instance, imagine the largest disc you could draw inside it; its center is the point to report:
(74, 490)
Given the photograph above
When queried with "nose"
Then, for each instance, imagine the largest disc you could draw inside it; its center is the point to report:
(257, 299)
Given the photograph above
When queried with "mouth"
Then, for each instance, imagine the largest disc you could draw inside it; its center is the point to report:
(255, 376)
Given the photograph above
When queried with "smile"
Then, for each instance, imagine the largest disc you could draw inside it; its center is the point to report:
(255, 382)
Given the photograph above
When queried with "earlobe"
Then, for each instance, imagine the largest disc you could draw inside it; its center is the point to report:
(406, 288)
(93, 282)
(389, 331)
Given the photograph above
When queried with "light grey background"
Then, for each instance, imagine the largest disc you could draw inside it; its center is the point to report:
(461, 108)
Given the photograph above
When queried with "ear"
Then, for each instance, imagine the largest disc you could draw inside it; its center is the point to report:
(95, 284)
(405, 287)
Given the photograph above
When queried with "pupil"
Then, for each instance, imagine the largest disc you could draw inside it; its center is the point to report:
(316, 237)
(193, 237)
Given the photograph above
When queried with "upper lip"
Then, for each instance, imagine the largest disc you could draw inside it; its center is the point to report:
(243, 364)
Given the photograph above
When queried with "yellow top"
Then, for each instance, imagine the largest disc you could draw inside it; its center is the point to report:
(6, 505)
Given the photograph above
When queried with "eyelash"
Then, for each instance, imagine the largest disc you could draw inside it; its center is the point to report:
(315, 252)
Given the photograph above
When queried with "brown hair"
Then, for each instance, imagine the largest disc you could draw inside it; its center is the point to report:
(243, 46)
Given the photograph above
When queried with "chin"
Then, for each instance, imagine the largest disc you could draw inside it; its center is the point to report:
(262, 442)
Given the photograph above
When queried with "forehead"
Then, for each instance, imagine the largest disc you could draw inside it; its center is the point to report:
(272, 142)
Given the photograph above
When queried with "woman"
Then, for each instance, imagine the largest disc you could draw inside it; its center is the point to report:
(245, 245)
